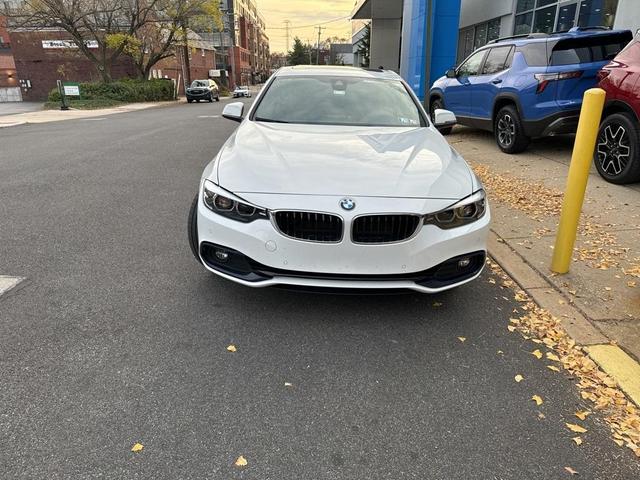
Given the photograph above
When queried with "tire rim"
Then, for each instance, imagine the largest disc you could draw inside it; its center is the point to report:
(506, 130)
(613, 149)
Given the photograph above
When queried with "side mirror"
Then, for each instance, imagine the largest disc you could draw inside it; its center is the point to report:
(444, 118)
(451, 73)
(234, 111)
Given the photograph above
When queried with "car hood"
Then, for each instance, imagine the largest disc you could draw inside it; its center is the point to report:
(336, 160)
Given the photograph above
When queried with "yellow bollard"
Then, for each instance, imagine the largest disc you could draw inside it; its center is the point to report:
(581, 159)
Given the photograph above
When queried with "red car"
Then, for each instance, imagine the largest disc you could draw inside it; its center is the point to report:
(617, 155)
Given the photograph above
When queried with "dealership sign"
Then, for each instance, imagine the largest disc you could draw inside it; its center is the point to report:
(67, 44)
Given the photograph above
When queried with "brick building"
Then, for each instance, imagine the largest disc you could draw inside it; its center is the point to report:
(44, 56)
(9, 88)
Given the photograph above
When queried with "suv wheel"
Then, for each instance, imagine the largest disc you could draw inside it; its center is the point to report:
(509, 132)
(435, 104)
(617, 148)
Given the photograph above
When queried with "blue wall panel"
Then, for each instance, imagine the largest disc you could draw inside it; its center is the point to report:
(439, 34)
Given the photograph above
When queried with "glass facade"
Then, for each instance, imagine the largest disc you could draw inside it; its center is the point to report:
(546, 16)
(472, 38)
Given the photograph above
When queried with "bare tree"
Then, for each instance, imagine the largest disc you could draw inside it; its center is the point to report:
(145, 30)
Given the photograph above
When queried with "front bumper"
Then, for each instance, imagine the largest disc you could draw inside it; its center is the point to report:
(200, 95)
(259, 256)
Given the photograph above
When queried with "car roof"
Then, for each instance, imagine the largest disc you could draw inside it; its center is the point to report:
(576, 32)
(336, 71)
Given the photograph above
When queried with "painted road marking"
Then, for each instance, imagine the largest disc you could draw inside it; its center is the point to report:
(208, 116)
(7, 283)
(624, 369)
(94, 119)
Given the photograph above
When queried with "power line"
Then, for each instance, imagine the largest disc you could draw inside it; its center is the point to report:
(308, 26)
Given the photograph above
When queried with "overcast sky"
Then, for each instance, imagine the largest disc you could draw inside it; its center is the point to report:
(305, 12)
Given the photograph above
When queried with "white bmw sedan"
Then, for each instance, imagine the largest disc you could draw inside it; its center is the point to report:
(335, 178)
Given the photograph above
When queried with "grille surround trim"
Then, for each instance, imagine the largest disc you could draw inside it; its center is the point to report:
(274, 222)
(405, 214)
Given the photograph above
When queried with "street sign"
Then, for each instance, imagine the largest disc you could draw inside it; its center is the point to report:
(71, 89)
(214, 73)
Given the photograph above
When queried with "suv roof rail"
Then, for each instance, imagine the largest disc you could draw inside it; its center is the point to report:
(514, 37)
(584, 29)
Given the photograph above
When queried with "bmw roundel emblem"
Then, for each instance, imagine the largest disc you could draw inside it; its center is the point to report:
(347, 204)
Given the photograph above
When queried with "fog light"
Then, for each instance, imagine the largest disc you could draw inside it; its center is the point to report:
(222, 255)
(462, 263)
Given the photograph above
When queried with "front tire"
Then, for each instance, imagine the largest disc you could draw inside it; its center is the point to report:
(617, 149)
(190, 100)
(509, 131)
(435, 104)
(192, 229)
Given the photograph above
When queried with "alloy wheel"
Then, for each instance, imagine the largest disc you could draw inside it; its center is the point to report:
(613, 149)
(506, 130)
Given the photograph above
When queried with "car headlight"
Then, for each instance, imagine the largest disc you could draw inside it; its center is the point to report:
(225, 203)
(462, 213)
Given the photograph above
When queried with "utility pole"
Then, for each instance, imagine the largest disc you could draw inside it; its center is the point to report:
(309, 45)
(320, 29)
(286, 28)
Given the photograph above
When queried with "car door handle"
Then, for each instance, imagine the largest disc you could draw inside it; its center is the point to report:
(496, 81)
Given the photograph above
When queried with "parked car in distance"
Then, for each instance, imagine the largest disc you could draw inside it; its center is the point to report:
(318, 189)
(617, 155)
(527, 86)
(241, 91)
(203, 90)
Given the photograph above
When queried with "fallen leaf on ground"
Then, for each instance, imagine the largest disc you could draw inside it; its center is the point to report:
(537, 399)
(287, 384)
(511, 328)
(582, 414)
(537, 353)
(231, 348)
(437, 304)
(518, 378)
(576, 428)
(553, 356)
(608, 289)
(577, 440)
(553, 367)
(520, 297)
(137, 447)
(571, 470)
(462, 339)
(241, 462)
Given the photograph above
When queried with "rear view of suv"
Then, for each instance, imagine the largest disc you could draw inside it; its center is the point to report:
(618, 147)
(527, 86)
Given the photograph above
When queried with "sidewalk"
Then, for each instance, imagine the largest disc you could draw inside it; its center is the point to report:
(43, 116)
(525, 192)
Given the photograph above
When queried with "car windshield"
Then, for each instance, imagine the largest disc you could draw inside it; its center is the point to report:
(338, 100)
(199, 83)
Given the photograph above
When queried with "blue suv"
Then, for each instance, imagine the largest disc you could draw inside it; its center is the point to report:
(528, 85)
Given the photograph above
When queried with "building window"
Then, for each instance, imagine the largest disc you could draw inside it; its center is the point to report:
(597, 13)
(547, 16)
(544, 20)
(566, 17)
(472, 38)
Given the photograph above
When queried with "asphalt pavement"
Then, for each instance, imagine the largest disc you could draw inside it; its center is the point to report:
(118, 336)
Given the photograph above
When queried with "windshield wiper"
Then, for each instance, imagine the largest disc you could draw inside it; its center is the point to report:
(269, 120)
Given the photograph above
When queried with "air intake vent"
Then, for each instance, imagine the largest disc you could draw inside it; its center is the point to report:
(384, 228)
(310, 226)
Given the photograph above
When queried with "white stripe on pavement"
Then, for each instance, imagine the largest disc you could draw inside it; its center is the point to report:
(7, 283)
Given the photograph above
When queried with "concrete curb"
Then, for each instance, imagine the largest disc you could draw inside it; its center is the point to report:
(13, 124)
(624, 369)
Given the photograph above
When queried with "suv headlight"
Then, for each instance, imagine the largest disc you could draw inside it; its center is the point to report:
(462, 213)
(225, 203)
